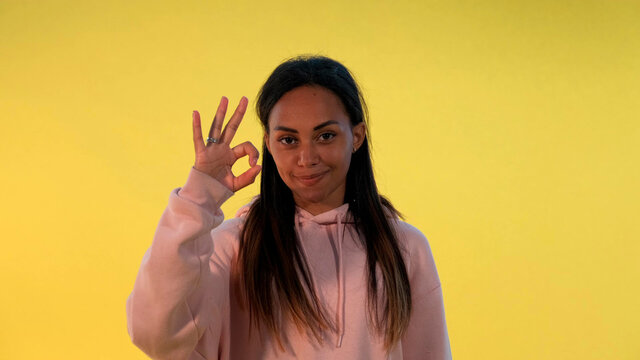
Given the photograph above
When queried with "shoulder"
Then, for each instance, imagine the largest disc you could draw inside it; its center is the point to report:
(410, 237)
(231, 228)
(415, 246)
(226, 239)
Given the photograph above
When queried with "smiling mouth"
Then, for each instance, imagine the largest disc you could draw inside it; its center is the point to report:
(311, 179)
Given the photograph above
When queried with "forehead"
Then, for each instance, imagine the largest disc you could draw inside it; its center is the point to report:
(307, 106)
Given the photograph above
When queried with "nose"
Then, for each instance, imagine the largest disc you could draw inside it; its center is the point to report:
(308, 155)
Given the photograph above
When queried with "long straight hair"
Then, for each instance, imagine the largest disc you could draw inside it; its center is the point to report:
(274, 275)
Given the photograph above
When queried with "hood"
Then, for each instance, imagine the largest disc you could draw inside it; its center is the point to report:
(340, 216)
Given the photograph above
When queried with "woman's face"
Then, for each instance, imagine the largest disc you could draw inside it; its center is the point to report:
(311, 140)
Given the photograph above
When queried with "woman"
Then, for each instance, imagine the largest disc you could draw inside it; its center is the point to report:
(317, 266)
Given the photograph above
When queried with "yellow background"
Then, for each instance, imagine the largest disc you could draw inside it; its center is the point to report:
(507, 131)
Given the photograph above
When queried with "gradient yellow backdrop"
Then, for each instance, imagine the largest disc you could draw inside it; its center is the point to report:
(507, 131)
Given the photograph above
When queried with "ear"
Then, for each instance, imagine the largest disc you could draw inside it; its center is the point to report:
(359, 134)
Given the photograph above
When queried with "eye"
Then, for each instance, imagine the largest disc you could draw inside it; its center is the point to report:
(325, 137)
(287, 140)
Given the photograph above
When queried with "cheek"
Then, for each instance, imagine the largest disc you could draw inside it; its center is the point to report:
(282, 163)
(347, 163)
(342, 161)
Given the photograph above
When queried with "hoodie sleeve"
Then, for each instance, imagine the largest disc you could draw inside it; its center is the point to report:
(427, 336)
(169, 307)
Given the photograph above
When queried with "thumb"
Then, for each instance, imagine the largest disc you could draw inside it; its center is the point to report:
(246, 178)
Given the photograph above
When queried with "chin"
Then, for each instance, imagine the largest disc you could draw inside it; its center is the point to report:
(310, 196)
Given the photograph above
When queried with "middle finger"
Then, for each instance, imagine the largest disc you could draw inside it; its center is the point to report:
(216, 126)
(234, 121)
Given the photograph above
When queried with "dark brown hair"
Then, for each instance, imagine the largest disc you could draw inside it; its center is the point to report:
(275, 276)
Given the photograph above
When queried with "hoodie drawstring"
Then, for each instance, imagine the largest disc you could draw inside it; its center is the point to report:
(341, 285)
(304, 252)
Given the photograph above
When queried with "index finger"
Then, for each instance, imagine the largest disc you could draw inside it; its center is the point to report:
(233, 124)
(197, 132)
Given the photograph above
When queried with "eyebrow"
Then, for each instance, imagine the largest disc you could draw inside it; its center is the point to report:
(326, 123)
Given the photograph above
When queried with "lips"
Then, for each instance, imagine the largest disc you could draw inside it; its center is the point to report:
(310, 179)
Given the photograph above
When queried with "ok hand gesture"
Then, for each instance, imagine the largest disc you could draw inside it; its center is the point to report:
(216, 158)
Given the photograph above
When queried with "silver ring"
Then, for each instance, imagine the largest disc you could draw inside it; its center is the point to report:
(212, 140)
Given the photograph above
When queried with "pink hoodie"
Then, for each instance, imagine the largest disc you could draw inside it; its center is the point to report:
(184, 306)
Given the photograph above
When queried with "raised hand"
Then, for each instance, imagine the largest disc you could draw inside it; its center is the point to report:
(216, 159)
